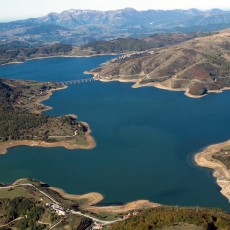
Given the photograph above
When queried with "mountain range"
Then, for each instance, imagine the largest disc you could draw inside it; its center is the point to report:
(79, 27)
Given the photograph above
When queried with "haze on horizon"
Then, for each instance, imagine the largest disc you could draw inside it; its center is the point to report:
(14, 9)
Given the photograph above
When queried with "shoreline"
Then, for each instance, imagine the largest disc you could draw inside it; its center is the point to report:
(136, 83)
(93, 198)
(59, 56)
(157, 85)
(41, 99)
(5, 146)
(88, 202)
(91, 143)
(220, 172)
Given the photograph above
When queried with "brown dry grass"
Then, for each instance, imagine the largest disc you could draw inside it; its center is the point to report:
(222, 174)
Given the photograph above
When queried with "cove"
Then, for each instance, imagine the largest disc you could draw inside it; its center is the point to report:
(146, 139)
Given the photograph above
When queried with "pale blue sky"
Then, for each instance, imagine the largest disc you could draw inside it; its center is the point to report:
(17, 9)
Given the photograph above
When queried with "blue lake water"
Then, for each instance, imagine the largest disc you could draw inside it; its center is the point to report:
(146, 139)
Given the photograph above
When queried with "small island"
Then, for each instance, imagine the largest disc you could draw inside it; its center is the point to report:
(23, 123)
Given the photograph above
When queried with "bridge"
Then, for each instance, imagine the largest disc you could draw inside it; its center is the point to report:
(77, 81)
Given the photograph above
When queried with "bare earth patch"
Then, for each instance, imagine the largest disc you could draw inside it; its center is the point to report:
(135, 205)
(93, 198)
(220, 172)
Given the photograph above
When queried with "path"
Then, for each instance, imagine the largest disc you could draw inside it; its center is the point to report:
(103, 222)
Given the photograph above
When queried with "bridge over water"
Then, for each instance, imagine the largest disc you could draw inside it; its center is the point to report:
(77, 81)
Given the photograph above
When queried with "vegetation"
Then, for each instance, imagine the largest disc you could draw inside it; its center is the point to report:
(224, 156)
(78, 27)
(19, 122)
(16, 53)
(197, 66)
(122, 45)
(24, 207)
(161, 217)
(27, 211)
(71, 222)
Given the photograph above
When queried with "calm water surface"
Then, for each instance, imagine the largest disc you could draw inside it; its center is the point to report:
(146, 139)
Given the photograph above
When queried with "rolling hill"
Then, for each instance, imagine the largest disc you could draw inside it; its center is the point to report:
(198, 66)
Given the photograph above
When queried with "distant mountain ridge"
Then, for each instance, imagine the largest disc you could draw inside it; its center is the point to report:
(130, 17)
(82, 26)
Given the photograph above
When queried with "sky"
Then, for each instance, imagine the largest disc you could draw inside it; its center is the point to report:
(20, 9)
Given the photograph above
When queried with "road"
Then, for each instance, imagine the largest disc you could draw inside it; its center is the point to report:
(31, 185)
(5, 225)
(103, 222)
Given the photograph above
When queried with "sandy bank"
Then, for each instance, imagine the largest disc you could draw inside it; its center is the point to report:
(9, 144)
(61, 56)
(90, 200)
(156, 85)
(91, 143)
(220, 172)
(94, 198)
(135, 205)
(160, 86)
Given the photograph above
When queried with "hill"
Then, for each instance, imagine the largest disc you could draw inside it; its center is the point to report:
(31, 204)
(169, 218)
(17, 51)
(121, 45)
(21, 121)
(197, 66)
(79, 27)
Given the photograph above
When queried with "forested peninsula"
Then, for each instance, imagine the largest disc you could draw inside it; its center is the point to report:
(23, 123)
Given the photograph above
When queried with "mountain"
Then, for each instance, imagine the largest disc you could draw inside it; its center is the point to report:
(83, 26)
(129, 18)
(196, 66)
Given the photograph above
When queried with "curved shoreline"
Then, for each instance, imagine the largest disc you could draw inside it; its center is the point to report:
(220, 172)
(46, 97)
(156, 85)
(5, 146)
(60, 56)
(91, 143)
(89, 201)
(94, 198)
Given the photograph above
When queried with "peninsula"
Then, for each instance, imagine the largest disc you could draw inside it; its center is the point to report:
(198, 66)
(217, 158)
(22, 121)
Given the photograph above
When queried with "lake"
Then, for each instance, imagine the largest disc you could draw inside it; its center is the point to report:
(146, 139)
